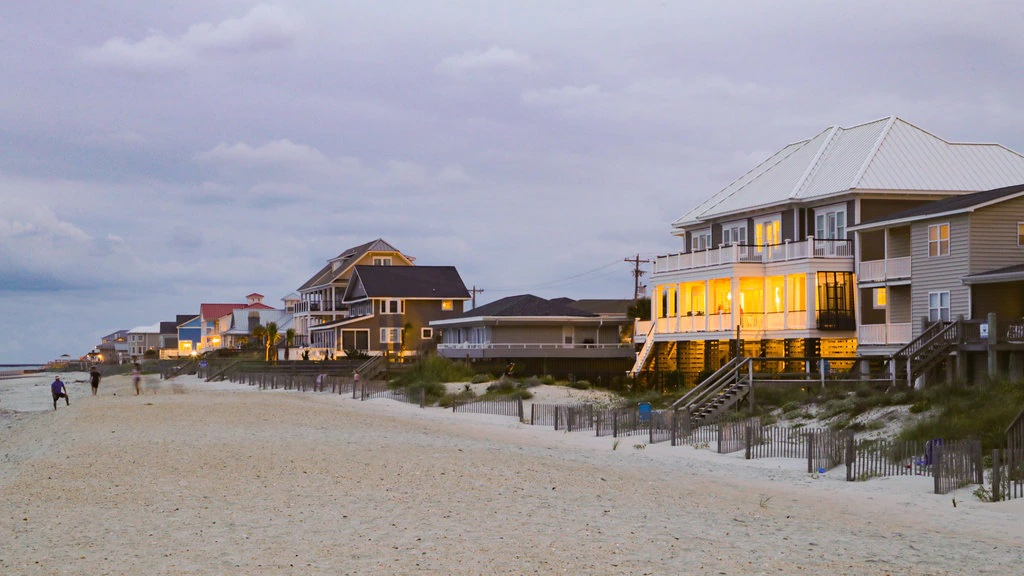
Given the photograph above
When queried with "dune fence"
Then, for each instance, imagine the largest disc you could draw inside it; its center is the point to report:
(494, 406)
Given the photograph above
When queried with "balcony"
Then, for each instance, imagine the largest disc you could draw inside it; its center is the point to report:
(312, 306)
(883, 334)
(747, 254)
(535, 350)
(882, 270)
(750, 323)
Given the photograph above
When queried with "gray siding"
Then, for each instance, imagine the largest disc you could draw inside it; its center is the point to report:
(941, 273)
(899, 304)
(899, 242)
(993, 236)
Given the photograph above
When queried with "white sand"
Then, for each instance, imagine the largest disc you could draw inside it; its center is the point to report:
(224, 479)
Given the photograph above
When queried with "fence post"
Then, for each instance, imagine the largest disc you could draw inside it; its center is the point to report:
(520, 406)
(937, 467)
(615, 424)
(749, 433)
(674, 427)
(979, 467)
(719, 438)
(810, 452)
(996, 476)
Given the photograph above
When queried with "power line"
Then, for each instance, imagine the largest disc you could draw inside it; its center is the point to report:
(559, 281)
(637, 273)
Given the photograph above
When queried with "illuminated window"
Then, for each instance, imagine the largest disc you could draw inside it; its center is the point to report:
(879, 298)
(426, 333)
(447, 305)
(1020, 233)
(938, 240)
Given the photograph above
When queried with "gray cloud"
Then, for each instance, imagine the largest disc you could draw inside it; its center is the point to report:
(158, 155)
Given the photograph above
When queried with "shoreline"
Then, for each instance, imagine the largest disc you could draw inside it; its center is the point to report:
(226, 478)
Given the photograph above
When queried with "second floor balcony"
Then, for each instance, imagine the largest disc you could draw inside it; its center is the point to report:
(319, 306)
(882, 270)
(756, 254)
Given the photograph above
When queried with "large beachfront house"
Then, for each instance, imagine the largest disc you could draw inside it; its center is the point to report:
(389, 309)
(767, 265)
(320, 298)
(965, 255)
(216, 319)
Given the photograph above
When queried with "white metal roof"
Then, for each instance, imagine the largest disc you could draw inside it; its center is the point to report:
(889, 154)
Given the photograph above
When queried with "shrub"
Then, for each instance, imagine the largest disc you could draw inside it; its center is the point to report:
(532, 381)
(547, 379)
(433, 369)
(982, 411)
(580, 385)
(481, 378)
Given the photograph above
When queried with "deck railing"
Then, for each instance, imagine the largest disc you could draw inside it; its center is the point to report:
(756, 254)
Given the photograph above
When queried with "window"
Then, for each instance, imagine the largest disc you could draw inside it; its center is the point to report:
(426, 333)
(1020, 233)
(701, 240)
(878, 298)
(830, 222)
(938, 240)
(938, 306)
(355, 340)
(768, 232)
(390, 335)
(382, 260)
(392, 307)
(447, 305)
(734, 233)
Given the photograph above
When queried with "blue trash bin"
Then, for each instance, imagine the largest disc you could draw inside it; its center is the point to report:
(645, 411)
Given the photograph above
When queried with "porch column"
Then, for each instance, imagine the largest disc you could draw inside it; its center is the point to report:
(707, 304)
(734, 289)
(811, 297)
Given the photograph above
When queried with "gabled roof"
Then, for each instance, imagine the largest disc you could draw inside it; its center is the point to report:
(211, 311)
(889, 154)
(342, 262)
(240, 320)
(527, 305)
(440, 282)
(151, 329)
(947, 206)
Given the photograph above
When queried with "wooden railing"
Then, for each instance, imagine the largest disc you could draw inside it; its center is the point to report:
(757, 254)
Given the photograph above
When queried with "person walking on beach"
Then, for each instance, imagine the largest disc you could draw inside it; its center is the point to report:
(137, 379)
(59, 391)
(94, 379)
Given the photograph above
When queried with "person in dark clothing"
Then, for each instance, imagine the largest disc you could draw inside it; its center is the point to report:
(59, 391)
(94, 379)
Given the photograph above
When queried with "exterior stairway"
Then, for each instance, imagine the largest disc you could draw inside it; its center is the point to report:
(729, 385)
(925, 352)
(644, 354)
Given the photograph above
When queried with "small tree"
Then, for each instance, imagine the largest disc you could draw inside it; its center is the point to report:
(272, 338)
(259, 332)
(289, 341)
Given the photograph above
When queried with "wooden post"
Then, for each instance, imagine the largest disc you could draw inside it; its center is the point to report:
(937, 466)
(993, 339)
(749, 433)
(997, 476)
(810, 452)
(851, 455)
(520, 401)
(674, 427)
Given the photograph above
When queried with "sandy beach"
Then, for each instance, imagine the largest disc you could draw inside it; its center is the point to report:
(225, 479)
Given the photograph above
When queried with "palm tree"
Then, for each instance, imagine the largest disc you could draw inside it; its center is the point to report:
(289, 341)
(259, 333)
(272, 338)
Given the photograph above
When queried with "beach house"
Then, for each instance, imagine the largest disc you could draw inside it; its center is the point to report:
(320, 298)
(767, 266)
(389, 309)
(941, 287)
(216, 319)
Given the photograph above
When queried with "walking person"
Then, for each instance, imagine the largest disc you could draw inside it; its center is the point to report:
(59, 391)
(94, 379)
(137, 379)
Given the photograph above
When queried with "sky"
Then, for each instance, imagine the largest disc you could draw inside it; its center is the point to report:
(158, 155)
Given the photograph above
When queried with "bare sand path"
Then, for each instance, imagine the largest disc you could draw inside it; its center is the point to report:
(249, 482)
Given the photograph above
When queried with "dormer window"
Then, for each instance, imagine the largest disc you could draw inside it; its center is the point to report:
(382, 260)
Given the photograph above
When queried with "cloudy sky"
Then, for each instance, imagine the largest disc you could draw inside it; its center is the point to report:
(157, 155)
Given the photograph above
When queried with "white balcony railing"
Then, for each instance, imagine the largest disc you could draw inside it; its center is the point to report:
(880, 334)
(741, 253)
(533, 346)
(881, 270)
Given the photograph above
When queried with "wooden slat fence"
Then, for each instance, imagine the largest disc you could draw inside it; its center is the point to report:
(1006, 482)
(544, 414)
(956, 464)
(575, 417)
(775, 442)
(496, 406)
(867, 459)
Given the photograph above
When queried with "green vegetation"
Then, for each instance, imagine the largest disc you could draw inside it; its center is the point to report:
(982, 411)
(429, 375)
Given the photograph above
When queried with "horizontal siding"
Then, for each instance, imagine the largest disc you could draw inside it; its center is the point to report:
(899, 304)
(993, 236)
(941, 273)
(899, 242)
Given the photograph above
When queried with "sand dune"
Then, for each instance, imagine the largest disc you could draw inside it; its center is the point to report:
(222, 479)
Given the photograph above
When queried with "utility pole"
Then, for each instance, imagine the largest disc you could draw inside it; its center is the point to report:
(474, 291)
(637, 273)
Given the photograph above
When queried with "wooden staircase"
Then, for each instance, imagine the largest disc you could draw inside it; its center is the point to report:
(729, 385)
(644, 354)
(925, 352)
